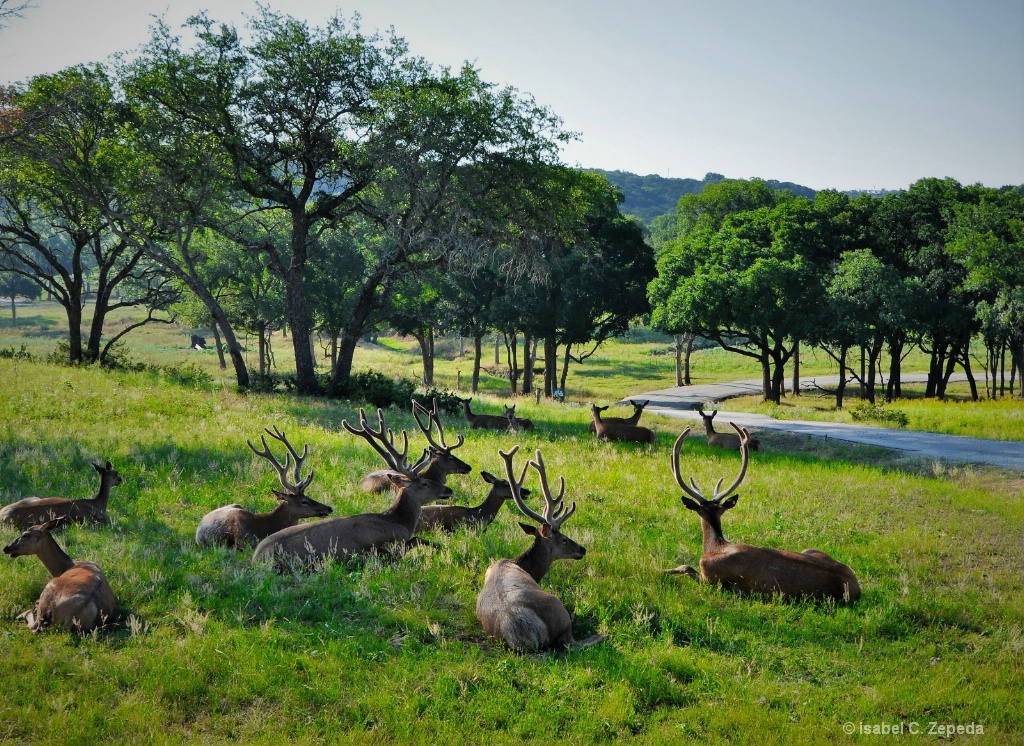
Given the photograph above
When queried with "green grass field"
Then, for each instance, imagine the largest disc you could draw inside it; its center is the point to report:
(208, 648)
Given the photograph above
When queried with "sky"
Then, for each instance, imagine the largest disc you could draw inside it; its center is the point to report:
(862, 94)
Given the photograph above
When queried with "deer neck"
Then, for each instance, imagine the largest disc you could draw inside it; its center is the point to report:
(465, 411)
(709, 429)
(104, 494)
(54, 559)
(405, 511)
(536, 560)
(712, 533)
(435, 470)
(490, 506)
(278, 518)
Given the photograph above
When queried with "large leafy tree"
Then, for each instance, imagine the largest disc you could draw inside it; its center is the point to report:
(64, 141)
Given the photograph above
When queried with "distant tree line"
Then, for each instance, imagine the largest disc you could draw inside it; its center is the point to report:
(936, 266)
(317, 180)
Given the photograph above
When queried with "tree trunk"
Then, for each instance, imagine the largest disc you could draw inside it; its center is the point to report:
(565, 366)
(796, 368)
(220, 347)
(766, 376)
(894, 388)
(970, 377)
(14, 313)
(527, 364)
(478, 349)
(425, 337)
(679, 359)
(841, 388)
(550, 365)
(512, 349)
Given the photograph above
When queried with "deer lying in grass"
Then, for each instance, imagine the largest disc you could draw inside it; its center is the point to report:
(485, 421)
(632, 420)
(442, 464)
(728, 441)
(517, 423)
(341, 538)
(78, 597)
(512, 605)
(236, 527)
(33, 511)
(750, 569)
(450, 517)
(625, 433)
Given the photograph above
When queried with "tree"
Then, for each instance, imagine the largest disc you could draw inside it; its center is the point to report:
(11, 285)
(52, 231)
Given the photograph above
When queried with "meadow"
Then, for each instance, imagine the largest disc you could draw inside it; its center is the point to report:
(209, 648)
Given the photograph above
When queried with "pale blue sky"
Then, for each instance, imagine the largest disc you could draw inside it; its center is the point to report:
(864, 94)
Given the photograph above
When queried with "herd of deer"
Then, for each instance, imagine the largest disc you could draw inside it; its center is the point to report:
(511, 605)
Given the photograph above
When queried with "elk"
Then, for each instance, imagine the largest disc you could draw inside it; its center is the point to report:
(33, 511)
(633, 419)
(749, 569)
(78, 597)
(449, 517)
(443, 462)
(341, 538)
(485, 421)
(728, 441)
(511, 605)
(626, 433)
(517, 423)
(236, 527)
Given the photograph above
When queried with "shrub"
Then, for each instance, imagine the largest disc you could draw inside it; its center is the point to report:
(447, 401)
(187, 374)
(9, 353)
(879, 413)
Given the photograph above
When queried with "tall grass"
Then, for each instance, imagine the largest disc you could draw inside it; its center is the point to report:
(208, 648)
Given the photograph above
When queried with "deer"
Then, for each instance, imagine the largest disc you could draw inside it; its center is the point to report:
(749, 569)
(236, 527)
(511, 605)
(449, 517)
(728, 441)
(517, 423)
(625, 433)
(32, 511)
(633, 419)
(485, 421)
(342, 538)
(443, 462)
(77, 598)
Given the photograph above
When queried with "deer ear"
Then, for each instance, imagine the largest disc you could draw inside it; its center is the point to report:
(488, 477)
(282, 496)
(689, 503)
(730, 502)
(399, 480)
(49, 525)
(528, 529)
(97, 467)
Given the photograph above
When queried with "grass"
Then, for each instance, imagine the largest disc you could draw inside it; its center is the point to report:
(208, 648)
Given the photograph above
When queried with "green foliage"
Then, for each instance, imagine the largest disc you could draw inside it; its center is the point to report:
(865, 410)
(22, 353)
(447, 401)
(379, 390)
(187, 374)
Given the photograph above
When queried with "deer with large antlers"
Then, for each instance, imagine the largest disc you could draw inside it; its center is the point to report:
(749, 569)
(442, 464)
(78, 597)
(512, 605)
(237, 527)
(32, 511)
(625, 433)
(449, 517)
(486, 421)
(632, 420)
(728, 441)
(341, 538)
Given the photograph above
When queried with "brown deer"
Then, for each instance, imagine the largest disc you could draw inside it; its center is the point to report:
(517, 423)
(625, 433)
(511, 605)
(33, 511)
(633, 419)
(750, 569)
(485, 421)
(341, 538)
(442, 464)
(449, 517)
(236, 527)
(78, 597)
(728, 441)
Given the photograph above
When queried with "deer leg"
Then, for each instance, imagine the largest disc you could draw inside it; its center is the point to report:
(419, 541)
(684, 570)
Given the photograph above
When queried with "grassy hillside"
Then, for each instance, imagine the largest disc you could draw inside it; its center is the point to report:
(209, 648)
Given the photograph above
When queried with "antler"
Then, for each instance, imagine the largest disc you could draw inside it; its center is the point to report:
(385, 444)
(434, 418)
(282, 470)
(517, 484)
(692, 489)
(555, 513)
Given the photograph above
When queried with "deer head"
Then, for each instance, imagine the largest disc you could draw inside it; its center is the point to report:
(33, 540)
(439, 449)
(721, 500)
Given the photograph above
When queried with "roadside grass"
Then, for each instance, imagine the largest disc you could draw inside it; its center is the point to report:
(380, 650)
(1001, 419)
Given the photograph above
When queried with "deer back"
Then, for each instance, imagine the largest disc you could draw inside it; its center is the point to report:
(513, 607)
(237, 527)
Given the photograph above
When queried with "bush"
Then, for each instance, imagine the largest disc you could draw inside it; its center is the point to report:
(9, 353)
(118, 358)
(879, 413)
(187, 374)
(379, 390)
(447, 401)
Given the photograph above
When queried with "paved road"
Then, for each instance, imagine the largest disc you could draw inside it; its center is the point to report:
(681, 402)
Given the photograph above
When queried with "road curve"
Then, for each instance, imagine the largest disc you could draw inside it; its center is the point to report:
(681, 402)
